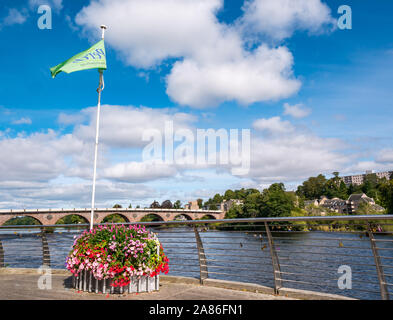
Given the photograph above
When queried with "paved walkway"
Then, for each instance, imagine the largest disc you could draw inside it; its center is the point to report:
(25, 287)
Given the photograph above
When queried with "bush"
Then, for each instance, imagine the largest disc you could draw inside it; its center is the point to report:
(117, 252)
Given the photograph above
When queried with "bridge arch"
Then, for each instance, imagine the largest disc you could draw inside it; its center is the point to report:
(71, 219)
(207, 217)
(112, 217)
(151, 217)
(186, 216)
(36, 219)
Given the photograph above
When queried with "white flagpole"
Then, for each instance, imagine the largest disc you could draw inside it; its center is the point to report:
(99, 90)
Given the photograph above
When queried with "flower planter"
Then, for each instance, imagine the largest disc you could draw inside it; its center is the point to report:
(117, 259)
(86, 282)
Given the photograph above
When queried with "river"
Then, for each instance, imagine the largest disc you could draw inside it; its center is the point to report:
(308, 260)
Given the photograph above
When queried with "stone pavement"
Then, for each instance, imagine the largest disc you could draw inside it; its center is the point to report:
(20, 286)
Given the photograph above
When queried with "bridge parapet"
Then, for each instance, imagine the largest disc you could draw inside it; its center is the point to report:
(51, 216)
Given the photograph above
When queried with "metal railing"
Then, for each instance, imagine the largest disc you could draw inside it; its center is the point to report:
(292, 252)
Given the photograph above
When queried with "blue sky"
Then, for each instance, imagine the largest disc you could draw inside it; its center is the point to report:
(340, 79)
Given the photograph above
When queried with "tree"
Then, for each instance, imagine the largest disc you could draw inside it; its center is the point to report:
(200, 203)
(130, 206)
(386, 195)
(117, 206)
(313, 188)
(234, 212)
(252, 205)
(336, 188)
(167, 204)
(213, 206)
(229, 194)
(218, 198)
(366, 209)
(177, 204)
(155, 205)
(369, 186)
(276, 202)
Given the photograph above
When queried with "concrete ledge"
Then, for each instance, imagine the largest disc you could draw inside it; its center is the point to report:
(32, 271)
(310, 295)
(241, 286)
(178, 279)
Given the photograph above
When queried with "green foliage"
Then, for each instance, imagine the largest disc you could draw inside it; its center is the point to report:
(366, 209)
(150, 217)
(21, 221)
(276, 202)
(386, 195)
(118, 206)
(213, 206)
(114, 218)
(71, 219)
(177, 204)
(155, 205)
(312, 188)
(167, 204)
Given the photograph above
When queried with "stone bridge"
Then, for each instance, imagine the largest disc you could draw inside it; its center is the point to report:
(51, 216)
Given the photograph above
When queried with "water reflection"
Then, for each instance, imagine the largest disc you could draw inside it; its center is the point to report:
(308, 260)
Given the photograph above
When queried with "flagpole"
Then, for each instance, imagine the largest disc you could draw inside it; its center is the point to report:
(99, 90)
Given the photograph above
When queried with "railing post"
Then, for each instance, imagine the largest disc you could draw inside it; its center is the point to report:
(45, 249)
(275, 261)
(201, 256)
(2, 265)
(381, 276)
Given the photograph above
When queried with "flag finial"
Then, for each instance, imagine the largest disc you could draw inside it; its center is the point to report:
(103, 28)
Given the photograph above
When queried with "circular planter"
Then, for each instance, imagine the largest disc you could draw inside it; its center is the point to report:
(86, 282)
(117, 259)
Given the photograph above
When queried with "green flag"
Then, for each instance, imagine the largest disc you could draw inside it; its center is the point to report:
(89, 59)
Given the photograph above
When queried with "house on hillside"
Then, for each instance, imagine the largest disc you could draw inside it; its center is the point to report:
(336, 204)
(227, 204)
(343, 206)
(191, 205)
(355, 200)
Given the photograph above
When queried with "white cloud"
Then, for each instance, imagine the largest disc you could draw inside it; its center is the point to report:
(22, 121)
(14, 16)
(63, 194)
(53, 170)
(287, 154)
(31, 158)
(259, 76)
(148, 32)
(123, 126)
(273, 125)
(214, 66)
(279, 19)
(385, 156)
(294, 157)
(139, 171)
(56, 5)
(296, 111)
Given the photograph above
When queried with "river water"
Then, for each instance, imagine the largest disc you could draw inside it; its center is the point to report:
(308, 260)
